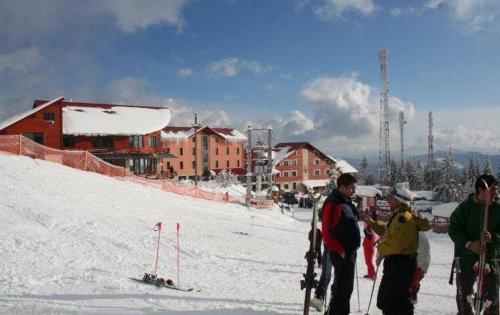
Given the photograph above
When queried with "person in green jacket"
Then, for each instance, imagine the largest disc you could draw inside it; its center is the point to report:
(465, 231)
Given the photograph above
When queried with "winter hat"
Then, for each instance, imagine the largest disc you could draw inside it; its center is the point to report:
(403, 195)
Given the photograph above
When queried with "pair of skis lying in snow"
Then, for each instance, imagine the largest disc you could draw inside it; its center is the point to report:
(152, 279)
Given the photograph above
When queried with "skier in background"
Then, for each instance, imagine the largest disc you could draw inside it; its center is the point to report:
(465, 231)
(369, 249)
(423, 261)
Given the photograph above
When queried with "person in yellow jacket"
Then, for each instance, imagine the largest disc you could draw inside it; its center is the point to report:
(398, 248)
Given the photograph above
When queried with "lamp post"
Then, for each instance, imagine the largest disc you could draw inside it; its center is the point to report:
(196, 126)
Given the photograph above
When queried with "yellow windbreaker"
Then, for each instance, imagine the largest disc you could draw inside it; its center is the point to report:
(400, 235)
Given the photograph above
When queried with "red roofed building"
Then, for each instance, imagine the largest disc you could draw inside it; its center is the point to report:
(218, 149)
(124, 135)
(297, 162)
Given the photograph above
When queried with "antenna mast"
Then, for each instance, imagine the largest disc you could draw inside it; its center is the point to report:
(430, 152)
(384, 157)
(402, 123)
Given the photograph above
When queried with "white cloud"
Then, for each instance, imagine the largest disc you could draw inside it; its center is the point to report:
(473, 15)
(185, 73)
(132, 15)
(331, 9)
(341, 106)
(20, 61)
(231, 67)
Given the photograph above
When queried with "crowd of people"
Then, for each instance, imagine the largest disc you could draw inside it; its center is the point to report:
(401, 249)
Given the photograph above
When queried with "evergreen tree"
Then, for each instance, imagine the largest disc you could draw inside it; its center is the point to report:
(449, 188)
(395, 174)
(488, 167)
(414, 180)
(370, 180)
(477, 168)
(362, 170)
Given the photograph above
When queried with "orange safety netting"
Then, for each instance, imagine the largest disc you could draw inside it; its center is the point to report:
(83, 160)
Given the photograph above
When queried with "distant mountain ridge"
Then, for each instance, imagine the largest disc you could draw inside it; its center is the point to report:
(460, 157)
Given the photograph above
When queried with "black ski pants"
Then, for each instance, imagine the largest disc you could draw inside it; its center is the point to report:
(394, 292)
(343, 283)
(466, 281)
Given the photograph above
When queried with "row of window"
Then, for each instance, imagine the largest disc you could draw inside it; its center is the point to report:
(181, 164)
(294, 173)
(143, 166)
(138, 141)
(193, 151)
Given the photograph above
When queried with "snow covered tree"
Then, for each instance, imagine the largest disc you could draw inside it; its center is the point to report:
(362, 170)
(449, 188)
(225, 179)
(488, 167)
(370, 180)
(414, 178)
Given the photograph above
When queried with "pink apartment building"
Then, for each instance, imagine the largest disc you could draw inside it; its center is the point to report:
(217, 149)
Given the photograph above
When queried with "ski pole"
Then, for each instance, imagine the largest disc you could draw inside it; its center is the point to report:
(178, 280)
(357, 283)
(157, 228)
(373, 288)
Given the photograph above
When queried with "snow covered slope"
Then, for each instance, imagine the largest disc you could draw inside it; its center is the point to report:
(69, 240)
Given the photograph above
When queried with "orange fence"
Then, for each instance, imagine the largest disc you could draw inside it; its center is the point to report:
(83, 160)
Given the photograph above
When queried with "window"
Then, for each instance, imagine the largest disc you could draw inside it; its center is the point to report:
(181, 165)
(227, 163)
(194, 151)
(216, 139)
(327, 172)
(49, 117)
(35, 136)
(192, 138)
(181, 151)
(168, 150)
(316, 162)
(194, 164)
(317, 172)
(227, 151)
(293, 162)
(153, 142)
(285, 174)
(103, 142)
(136, 141)
(238, 163)
(285, 163)
(216, 164)
(294, 185)
(294, 173)
(216, 151)
(277, 175)
(69, 141)
(238, 150)
(285, 186)
(168, 165)
(143, 166)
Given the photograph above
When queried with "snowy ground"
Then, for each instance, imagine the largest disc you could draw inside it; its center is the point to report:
(69, 240)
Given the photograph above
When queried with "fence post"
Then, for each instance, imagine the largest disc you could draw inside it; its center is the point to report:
(86, 154)
(20, 143)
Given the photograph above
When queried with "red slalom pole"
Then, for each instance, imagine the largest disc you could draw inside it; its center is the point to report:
(178, 281)
(157, 228)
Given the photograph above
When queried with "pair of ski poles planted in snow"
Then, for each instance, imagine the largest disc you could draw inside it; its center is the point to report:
(158, 227)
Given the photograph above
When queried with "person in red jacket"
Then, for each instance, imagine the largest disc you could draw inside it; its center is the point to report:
(342, 238)
(369, 250)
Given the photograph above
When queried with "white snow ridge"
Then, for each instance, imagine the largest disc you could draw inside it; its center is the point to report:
(69, 241)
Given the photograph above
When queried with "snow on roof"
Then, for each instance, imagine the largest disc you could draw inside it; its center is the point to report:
(18, 117)
(311, 183)
(444, 210)
(281, 153)
(345, 167)
(115, 120)
(368, 191)
(424, 194)
(181, 133)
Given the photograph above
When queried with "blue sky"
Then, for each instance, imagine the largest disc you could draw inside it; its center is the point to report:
(309, 69)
